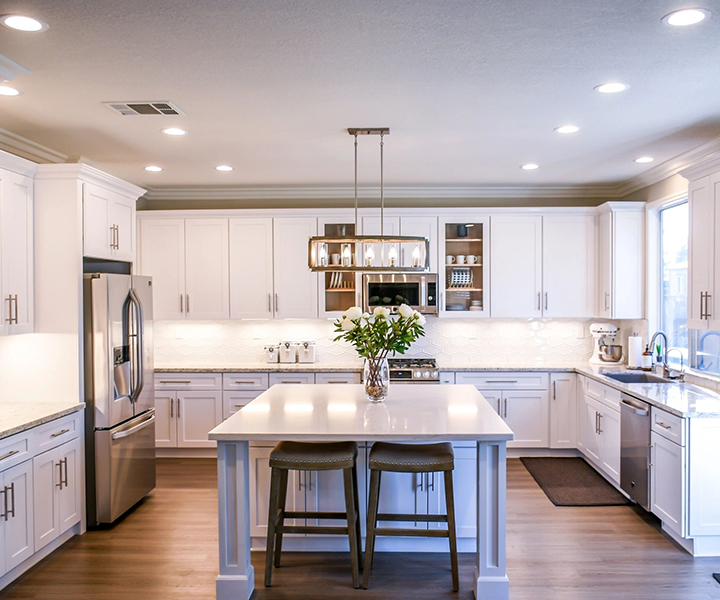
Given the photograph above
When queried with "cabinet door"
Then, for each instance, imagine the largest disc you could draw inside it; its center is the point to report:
(207, 271)
(668, 482)
(713, 302)
(605, 265)
(251, 268)
(165, 422)
(19, 542)
(526, 413)
(569, 272)
(404, 493)
(516, 266)
(580, 415)
(701, 238)
(97, 233)
(70, 494)
(260, 492)
(628, 265)
(610, 445)
(324, 491)
(425, 227)
(233, 401)
(563, 415)
(592, 433)
(197, 414)
(162, 257)
(17, 252)
(494, 398)
(296, 287)
(465, 493)
(46, 513)
(122, 216)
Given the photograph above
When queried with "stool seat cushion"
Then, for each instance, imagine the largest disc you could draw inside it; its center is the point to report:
(314, 456)
(411, 458)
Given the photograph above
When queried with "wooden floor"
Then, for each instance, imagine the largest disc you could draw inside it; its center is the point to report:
(167, 549)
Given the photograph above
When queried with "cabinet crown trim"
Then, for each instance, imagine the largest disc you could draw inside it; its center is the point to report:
(89, 174)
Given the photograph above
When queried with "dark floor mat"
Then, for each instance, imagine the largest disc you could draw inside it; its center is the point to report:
(572, 482)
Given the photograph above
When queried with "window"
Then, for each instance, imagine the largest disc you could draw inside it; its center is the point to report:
(674, 277)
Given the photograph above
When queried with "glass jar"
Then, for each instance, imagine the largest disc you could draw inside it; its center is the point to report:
(376, 376)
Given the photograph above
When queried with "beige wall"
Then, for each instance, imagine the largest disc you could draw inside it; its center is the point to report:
(672, 186)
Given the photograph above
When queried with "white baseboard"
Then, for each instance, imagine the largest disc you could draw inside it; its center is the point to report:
(542, 452)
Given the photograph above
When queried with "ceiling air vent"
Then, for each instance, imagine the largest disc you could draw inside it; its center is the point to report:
(132, 109)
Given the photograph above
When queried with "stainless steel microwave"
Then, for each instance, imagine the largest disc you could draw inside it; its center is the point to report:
(417, 290)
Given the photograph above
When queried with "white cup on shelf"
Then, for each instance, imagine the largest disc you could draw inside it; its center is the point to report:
(460, 259)
(472, 259)
(449, 259)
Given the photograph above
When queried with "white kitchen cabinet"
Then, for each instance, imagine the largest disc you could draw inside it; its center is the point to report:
(207, 274)
(569, 266)
(516, 266)
(16, 522)
(188, 260)
(563, 407)
(426, 227)
(296, 287)
(526, 413)
(16, 246)
(108, 224)
(580, 414)
(668, 482)
(162, 257)
(57, 491)
(260, 472)
(165, 423)
(338, 378)
(404, 493)
(621, 248)
(602, 437)
(712, 302)
(464, 492)
(593, 441)
(197, 413)
(234, 401)
(292, 378)
(251, 268)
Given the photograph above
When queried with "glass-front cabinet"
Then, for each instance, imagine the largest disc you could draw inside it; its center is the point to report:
(464, 271)
(338, 289)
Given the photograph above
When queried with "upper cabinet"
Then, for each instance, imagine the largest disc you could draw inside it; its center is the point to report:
(296, 287)
(338, 290)
(703, 251)
(621, 245)
(16, 245)
(251, 268)
(108, 224)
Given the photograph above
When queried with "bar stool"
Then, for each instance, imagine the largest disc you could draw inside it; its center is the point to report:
(320, 456)
(410, 458)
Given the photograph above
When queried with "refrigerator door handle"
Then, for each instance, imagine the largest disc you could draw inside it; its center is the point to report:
(136, 338)
(123, 434)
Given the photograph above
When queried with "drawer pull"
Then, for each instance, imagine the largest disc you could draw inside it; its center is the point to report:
(239, 405)
(245, 382)
(174, 381)
(501, 381)
(290, 381)
(663, 425)
(9, 454)
(336, 381)
(59, 433)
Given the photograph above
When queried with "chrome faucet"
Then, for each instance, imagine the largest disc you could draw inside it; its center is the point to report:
(666, 369)
(681, 374)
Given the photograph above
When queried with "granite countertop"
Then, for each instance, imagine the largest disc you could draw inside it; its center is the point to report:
(16, 417)
(263, 367)
(516, 367)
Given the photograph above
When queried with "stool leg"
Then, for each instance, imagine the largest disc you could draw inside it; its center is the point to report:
(351, 520)
(281, 519)
(272, 521)
(452, 534)
(358, 533)
(371, 524)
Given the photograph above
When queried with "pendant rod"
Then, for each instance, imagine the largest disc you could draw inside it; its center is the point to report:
(356, 197)
(382, 191)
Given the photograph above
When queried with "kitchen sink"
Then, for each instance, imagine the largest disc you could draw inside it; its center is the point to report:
(636, 378)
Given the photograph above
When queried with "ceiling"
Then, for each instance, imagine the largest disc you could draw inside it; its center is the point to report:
(471, 90)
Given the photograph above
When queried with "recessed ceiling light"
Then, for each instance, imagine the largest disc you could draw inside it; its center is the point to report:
(174, 131)
(22, 23)
(224, 168)
(6, 90)
(611, 88)
(644, 159)
(685, 17)
(153, 168)
(567, 129)
(530, 167)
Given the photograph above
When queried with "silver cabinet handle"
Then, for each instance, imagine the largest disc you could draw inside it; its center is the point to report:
(708, 314)
(554, 391)
(269, 303)
(178, 408)
(277, 304)
(505, 408)
(112, 236)
(9, 454)
(65, 479)
(175, 381)
(499, 411)
(117, 237)
(15, 302)
(600, 416)
(187, 303)
(291, 381)
(9, 318)
(60, 477)
(181, 303)
(3, 515)
(607, 300)
(546, 300)
(663, 425)
(172, 402)
(539, 308)
(702, 305)
(244, 382)
(10, 512)
(502, 381)
(432, 481)
(596, 421)
(59, 433)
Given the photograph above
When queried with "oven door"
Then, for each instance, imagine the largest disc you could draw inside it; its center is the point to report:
(390, 290)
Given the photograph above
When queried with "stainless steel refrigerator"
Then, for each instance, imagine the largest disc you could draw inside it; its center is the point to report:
(120, 415)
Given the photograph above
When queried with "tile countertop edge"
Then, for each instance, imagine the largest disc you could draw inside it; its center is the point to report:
(38, 419)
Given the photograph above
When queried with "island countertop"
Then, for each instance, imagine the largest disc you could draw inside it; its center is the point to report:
(337, 413)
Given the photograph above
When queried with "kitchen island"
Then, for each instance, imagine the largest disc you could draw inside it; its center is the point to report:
(453, 413)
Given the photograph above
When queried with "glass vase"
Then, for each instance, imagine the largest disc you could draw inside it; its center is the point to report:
(376, 376)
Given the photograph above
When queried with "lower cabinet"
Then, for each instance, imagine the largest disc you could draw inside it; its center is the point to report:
(184, 418)
(525, 412)
(563, 407)
(465, 493)
(602, 437)
(668, 482)
(16, 516)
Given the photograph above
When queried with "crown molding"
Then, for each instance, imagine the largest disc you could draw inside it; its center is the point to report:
(84, 172)
(25, 148)
(9, 69)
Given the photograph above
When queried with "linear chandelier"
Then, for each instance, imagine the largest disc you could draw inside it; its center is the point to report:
(369, 253)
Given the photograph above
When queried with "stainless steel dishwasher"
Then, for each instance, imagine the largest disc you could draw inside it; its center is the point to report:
(635, 449)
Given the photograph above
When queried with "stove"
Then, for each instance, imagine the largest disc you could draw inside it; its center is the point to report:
(414, 370)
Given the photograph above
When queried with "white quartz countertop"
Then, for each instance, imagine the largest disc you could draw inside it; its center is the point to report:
(16, 417)
(336, 413)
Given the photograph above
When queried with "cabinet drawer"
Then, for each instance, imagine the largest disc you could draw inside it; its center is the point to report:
(668, 425)
(337, 377)
(604, 393)
(447, 377)
(55, 432)
(234, 401)
(14, 450)
(292, 378)
(245, 381)
(505, 380)
(188, 381)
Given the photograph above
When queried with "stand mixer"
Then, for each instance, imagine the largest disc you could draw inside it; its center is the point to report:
(605, 353)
